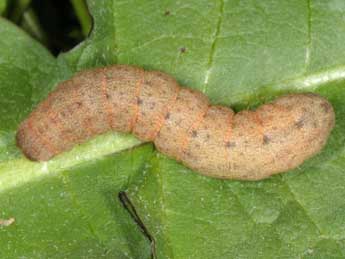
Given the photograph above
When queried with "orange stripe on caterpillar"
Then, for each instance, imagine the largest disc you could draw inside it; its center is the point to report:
(212, 140)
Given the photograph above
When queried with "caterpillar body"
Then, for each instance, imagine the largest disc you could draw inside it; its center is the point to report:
(213, 140)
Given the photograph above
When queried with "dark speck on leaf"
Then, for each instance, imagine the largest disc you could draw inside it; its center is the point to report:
(183, 50)
(167, 13)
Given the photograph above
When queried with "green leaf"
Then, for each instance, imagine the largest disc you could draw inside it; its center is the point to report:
(83, 15)
(27, 73)
(3, 5)
(239, 53)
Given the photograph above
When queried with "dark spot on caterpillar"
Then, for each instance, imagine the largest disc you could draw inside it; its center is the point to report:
(139, 101)
(88, 122)
(266, 140)
(325, 106)
(187, 153)
(167, 116)
(152, 106)
(299, 124)
(79, 104)
(148, 82)
(40, 130)
(207, 136)
(230, 144)
(107, 96)
(183, 50)
(194, 133)
(167, 13)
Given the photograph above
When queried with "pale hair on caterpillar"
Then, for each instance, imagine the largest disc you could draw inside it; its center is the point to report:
(212, 140)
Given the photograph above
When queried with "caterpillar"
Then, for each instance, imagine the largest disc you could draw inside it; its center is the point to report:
(212, 140)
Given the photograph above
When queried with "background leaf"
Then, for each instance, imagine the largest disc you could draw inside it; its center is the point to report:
(3, 4)
(239, 53)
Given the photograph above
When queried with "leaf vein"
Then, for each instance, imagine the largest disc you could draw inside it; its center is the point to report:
(303, 208)
(213, 46)
(309, 40)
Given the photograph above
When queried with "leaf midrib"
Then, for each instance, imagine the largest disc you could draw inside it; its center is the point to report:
(17, 172)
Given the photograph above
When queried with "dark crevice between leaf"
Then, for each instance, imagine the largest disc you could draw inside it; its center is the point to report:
(58, 25)
(128, 205)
